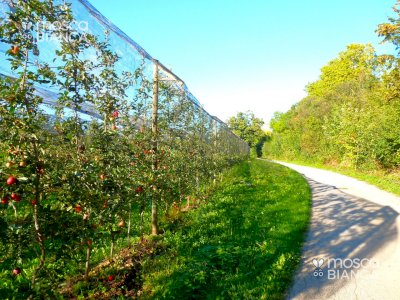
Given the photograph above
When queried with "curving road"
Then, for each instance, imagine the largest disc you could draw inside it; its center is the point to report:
(352, 249)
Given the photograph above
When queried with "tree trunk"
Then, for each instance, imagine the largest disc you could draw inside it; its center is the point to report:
(154, 129)
(39, 235)
(141, 223)
(112, 244)
(87, 263)
(129, 222)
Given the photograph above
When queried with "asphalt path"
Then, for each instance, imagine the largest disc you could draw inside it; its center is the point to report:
(352, 249)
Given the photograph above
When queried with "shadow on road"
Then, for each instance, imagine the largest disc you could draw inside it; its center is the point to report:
(342, 227)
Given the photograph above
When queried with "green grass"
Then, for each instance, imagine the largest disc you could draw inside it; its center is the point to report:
(388, 180)
(244, 244)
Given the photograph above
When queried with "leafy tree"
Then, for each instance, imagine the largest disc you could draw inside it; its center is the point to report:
(21, 125)
(390, 31)
(249, 128)
(353, 64)
(71, 183)
(348, 118)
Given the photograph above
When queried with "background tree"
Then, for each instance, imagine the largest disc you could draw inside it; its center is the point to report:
(355, 64)
(390, 31)
(349, 117)
(249, 128)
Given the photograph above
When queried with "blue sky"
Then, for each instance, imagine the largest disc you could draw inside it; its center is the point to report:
(238, 55)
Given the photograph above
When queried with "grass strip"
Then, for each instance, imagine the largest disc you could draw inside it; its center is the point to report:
(243, 244)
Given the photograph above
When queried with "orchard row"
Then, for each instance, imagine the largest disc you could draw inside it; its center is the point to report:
(73, 185)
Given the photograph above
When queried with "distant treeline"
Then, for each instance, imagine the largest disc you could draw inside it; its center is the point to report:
(351, 115)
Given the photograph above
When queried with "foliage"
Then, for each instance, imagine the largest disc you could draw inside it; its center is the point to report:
(351, 115)
(390, 31)
(76, 187)
(243, 244)
(349, 118)
(355, 64)
(249, 128)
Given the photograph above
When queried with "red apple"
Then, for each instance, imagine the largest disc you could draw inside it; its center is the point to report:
(114, 127)
(34, 202)
(15, 50)
(16, 271)
(102, 176)
(115, 114)
(4, 200)
(139, 189)
(15, 197)
(78, 208)
(110, 278)
(11, 180)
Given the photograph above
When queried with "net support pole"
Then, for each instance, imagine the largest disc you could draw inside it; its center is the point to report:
(154, 131)
(215, 136)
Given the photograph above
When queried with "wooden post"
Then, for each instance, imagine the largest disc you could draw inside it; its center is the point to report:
(215, 135)
(215, 132)
(154, 130)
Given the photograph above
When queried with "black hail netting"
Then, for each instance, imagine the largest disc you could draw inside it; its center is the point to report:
(180, 114)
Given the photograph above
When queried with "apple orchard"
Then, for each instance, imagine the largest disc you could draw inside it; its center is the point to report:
(95, 154)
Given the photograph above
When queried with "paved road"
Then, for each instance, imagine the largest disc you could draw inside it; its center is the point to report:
(353, 237)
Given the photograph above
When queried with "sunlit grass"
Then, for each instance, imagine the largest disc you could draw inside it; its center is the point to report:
(244, 244)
